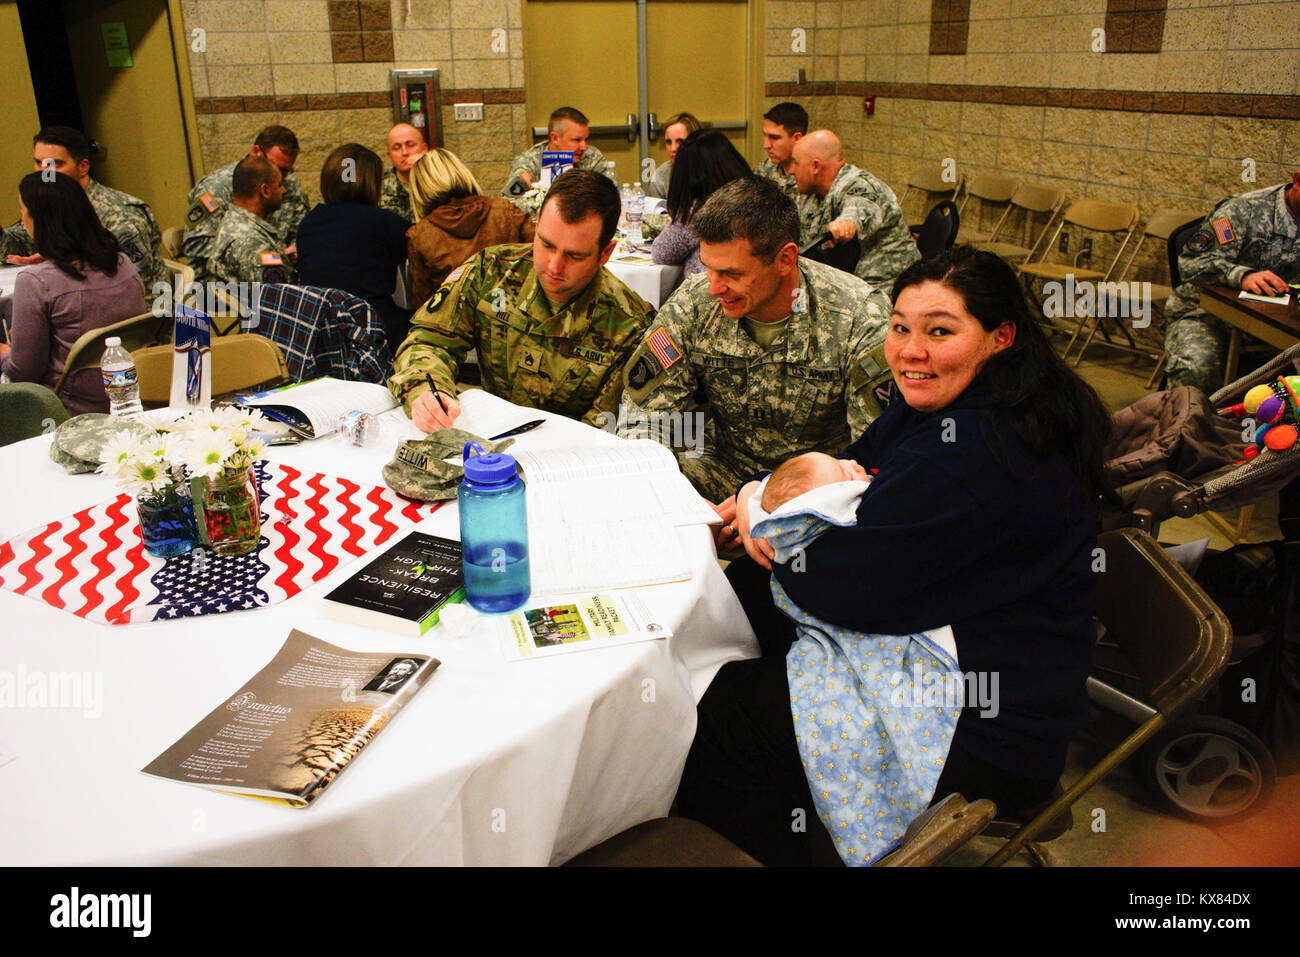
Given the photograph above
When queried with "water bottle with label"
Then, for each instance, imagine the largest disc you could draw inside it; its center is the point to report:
(493, 531)
(118, 371)
(635, 212)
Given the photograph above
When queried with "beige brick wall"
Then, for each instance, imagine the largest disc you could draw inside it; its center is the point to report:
(281, 49)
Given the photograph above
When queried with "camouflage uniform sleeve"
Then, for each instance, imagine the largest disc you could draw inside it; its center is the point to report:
(870, 381)
(860, 208)
(440, 337)
(528, 162)
(254, 258)
(653, 386)
(16, 242)
(1210, 255)
(291, 212)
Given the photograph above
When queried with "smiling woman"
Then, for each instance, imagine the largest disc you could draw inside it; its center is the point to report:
(981, 517)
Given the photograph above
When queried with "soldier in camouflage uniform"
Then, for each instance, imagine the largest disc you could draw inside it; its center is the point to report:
(248, 248)
(406, 144)
(1247, 242)
(65, 150)
(211, 196)
(568, 131)
(553, 329)
(788, 352)
(846, 201)
(783, 126)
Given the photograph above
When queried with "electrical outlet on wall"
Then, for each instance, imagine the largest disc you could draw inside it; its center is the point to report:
(468, 111)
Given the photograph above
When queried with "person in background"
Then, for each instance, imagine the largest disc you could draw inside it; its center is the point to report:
(350, 243)
(247, 248)
(83, 282)
(406, 144)
(679, 127)
(64, 150)
(567, 131)
(455, 220)
(211, 197)
(707, 161)
(783, 126)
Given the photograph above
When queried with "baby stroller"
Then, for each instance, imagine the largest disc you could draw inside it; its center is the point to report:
(1172, 454)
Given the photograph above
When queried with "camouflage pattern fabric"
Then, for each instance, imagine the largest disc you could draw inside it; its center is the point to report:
(419, 470)
(131, 222)
(209, 200)
(530, 161)
(78, 442)
(567, 360)
(815, 388)
(1243, 234)
(395, 196)
(769, 170)
(247, 249)
(887, 247)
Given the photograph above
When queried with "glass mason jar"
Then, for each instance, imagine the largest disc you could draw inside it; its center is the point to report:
(227, 512)
(167, 522)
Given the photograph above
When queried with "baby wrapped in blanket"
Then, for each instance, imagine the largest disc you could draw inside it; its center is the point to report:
(871, 729)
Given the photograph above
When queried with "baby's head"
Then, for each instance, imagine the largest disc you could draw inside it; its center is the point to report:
(806, 472)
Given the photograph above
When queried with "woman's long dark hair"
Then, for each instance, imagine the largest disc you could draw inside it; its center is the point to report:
(1050, 407)
(705, 161)
(65, 226)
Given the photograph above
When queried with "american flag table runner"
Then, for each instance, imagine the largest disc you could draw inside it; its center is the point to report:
(93, 563)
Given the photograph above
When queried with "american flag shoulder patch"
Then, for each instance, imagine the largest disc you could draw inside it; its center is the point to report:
(663, 347)
(1223, 230)
(271, 259)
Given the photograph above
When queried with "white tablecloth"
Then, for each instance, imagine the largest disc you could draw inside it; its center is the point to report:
(491, 763)
(651, 282)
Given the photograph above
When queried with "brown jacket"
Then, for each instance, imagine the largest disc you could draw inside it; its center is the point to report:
(455, 231)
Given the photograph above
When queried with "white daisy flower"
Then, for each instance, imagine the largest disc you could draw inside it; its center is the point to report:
(144, 477)
(206, 454)
(117, 451)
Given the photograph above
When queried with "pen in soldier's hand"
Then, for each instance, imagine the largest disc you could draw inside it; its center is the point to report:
(434, 389)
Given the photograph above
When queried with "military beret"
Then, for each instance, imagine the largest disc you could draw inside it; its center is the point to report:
(419, 471)
(79, 441)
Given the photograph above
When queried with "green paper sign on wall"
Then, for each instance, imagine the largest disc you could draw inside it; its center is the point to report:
(117, 47)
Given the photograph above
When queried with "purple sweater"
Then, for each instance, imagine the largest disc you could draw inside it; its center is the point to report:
(51, 311)
(678, 244)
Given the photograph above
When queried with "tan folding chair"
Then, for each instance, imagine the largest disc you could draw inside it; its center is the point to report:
(993, 191)
(232, 311)
(1159, 226)
(1169, 631)
(136, 332)
(239, 361)
(173, 241)
(931, 185)
(1030, 201)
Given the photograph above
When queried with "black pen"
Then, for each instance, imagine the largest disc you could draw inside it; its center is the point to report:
(519, 429)
(434, 389)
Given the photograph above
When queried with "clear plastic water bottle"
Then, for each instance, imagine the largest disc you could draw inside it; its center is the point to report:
(609, 170)
(635, 213)
(493, 531)
(117, 369)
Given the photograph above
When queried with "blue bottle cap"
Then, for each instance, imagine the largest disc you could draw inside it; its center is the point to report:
(487, 468)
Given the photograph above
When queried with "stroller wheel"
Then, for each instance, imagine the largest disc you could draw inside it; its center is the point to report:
(1209, 767)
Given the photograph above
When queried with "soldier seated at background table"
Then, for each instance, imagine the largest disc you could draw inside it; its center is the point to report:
(61, 149)
(406, 144)
(211, 196)
(248, 248)
(568, 130)
(552, 327)
(848, 202)
(1247, 242)
(783, 126)
(786, 351)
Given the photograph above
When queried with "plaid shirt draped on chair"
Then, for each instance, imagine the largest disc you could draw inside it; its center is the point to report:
(324, 332)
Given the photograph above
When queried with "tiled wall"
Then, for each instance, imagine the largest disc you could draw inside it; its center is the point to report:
(320, 67)
(1031, 98)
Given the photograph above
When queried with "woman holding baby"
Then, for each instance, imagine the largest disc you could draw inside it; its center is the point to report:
(978, 524)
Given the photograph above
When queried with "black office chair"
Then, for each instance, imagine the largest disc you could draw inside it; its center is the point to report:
(843, 257)
(939, 231)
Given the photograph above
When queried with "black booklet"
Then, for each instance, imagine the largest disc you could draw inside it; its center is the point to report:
(403, 589)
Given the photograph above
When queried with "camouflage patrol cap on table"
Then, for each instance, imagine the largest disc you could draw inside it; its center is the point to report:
(419, 472)
(79, 441)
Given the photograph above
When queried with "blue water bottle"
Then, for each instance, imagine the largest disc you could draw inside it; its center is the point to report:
(493, 531)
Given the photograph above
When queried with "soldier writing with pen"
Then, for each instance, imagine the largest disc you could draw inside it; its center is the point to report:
(552, 328)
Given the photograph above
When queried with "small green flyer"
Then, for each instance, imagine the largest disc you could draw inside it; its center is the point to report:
(117, 46)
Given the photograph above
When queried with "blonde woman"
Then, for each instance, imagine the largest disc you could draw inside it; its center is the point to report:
(454, 220)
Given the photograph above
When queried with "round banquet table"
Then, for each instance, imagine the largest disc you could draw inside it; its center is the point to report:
(492, 762)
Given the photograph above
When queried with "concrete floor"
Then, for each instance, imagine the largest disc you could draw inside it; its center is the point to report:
(1120, 821)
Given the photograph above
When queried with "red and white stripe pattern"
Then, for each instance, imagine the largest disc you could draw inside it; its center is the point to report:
(93, 563)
